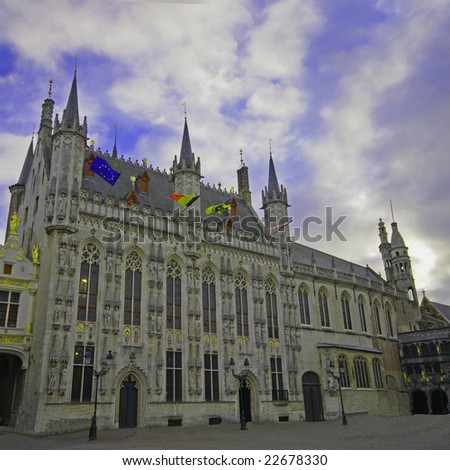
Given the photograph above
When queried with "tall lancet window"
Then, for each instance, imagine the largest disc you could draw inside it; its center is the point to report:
(209, 300)
(133, 289)
(271, 309)
(88, 287)
(323, 308)
(240, 292)
(173, 290)
(346, 315)
(305, 318)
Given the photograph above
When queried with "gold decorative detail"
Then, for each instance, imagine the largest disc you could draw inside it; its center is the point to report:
(11, 339)
(5, 281)
(35, 254)
(14, 224)
(28, 329)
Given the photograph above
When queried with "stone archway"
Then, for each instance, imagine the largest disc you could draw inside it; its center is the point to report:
(130, 399)
(419, 402)
(128, 402)
(11, 384)
(312, 397)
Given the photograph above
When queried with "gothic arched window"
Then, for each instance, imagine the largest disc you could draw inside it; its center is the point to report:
(377, 375)
(345, 377)
(209, 300)
(362, 313)
(240, 292)
(376, 313)
(133, 288)
(271, 309)
(173, 290)
(305, 317)
(88, 287)
(323, 308)
(346, 315)
(361, 372)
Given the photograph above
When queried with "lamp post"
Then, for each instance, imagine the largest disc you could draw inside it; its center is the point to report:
(241, 378)
(97, 375)
(341, 369)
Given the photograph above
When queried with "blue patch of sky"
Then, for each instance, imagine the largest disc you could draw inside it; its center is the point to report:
(8, 57)
(233, 108)
(348, 27)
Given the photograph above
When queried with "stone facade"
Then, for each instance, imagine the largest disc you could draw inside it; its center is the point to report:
(175, 294)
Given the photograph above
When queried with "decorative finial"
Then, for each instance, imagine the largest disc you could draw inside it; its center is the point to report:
(392, 210)
(270, 146)
(50, 83)
(185, 110)
(133, 180)
(76, 63)
(144, 161)
(92, 143)
(242, 158)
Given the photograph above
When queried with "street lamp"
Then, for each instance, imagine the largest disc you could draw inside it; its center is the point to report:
(97, 375)
(241, 378)
(341, 369)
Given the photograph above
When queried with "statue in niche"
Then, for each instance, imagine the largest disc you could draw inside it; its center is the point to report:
(72, 258)
(159, 324)
(118, 265)
(68, 315)
(159, 379)
(116, 317)
(35, 254)
(62, 257)
(50, 206)
(62, 204)
(151, 322)
(106, 316)
(51, 376)
(63, 377)
(109, 263)
(73, 207)
(57, 314)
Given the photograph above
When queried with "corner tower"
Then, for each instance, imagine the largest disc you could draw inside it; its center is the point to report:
(186, 173)
(396, 260)
(275, 202)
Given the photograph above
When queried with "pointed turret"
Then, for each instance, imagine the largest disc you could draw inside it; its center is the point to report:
(70, 116)
(186, 155)
(273, 188)
(186, 172)
(396, 260)
(114, 151)
(27, 164)
(275, 202)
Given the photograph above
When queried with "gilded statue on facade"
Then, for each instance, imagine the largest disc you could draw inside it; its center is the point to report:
(35, 254)
(14, 224)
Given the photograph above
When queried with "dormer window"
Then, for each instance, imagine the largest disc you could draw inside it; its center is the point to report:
(7, 268)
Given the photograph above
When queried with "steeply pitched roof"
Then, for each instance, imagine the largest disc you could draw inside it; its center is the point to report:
(26, 165)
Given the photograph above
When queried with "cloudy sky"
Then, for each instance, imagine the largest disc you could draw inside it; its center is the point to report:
(353, 97)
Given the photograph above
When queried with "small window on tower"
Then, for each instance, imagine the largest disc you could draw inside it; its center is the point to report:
(7, 268)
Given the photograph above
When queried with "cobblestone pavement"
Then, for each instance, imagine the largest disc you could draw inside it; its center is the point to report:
(420, 432)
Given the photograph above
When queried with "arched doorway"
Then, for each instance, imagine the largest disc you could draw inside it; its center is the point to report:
(128, 404)
(439, 401)
(419, 403)
(11, 379)
(312, 397)
(245, 401)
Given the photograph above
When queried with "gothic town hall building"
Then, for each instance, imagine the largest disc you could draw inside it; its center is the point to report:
(174, 294)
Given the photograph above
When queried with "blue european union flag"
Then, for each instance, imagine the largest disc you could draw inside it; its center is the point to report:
(102, 168)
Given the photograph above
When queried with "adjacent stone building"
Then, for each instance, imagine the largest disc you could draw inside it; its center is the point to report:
(175, 293)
